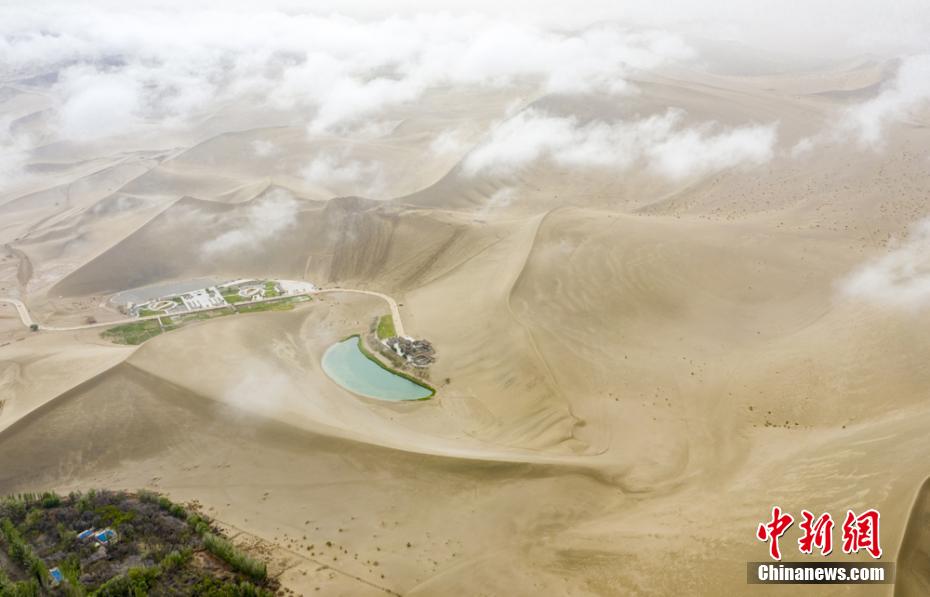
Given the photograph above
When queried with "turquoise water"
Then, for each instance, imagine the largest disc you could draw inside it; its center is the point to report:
(345, 364)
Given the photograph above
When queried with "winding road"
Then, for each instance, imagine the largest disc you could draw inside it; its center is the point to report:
(28, 321)
(21, 309)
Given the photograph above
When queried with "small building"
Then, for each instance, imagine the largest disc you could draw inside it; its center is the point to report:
(419, 353)
(106, 537)
(55, 576)
(85, 534)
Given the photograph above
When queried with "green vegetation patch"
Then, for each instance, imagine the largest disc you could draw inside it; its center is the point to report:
(22, 588)
(234, 297)
(136, 332)
(229, 553)
(152, 553)
(271, 290)
(21, 553)
(282, 305)
(386, 327)
(203, 315)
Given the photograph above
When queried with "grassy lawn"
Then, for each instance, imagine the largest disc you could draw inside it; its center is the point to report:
(147, 312)
(234, 297)
(203, 315)
(386, 327)
(138, 332)
(284, 305)
(134, 333)
(271, 290)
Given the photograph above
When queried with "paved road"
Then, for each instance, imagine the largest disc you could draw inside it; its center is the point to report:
(21, 309)
(28, 320)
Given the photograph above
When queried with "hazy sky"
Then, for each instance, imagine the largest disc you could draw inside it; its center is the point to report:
(830, 26)
(799, 26)
(109, 68)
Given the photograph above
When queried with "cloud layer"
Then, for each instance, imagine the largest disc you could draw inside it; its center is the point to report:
(908, 91)
(661, 142)
(116, 69)
(262, 222)
(901, 278)
(339, 171)
(866, 123)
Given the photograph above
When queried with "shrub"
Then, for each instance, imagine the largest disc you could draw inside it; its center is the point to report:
(25, 588)
(86, 501)
(210, 587)
(148, 497)
(136, 582)
(32, 519)
(164, 503)
(71, 571)
(176, 559)
(50, 499)
(66, 537)
(21, 553)
(230, 554)
(112, 515)
(118, 586)
(197, 523)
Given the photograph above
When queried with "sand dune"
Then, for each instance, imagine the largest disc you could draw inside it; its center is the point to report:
(632, 367)
(912, 559)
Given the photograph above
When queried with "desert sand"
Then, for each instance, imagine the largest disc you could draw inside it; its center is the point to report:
(632, 369)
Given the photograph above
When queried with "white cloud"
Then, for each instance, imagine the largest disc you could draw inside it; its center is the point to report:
(448, 142)
(803, 147)
(699, 150)
(901, 278)
(660, 142)
(264, 219)
(866, 123)
(98, 104)
(258, 385)
(908, 91)
(142, 63)
(500, 199)
(14, 154)
(125, 67)
(338, 169)
(263, 148)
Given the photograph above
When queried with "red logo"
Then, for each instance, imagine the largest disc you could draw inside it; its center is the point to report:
(859, 532)
(773, 530)
(817, 533)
